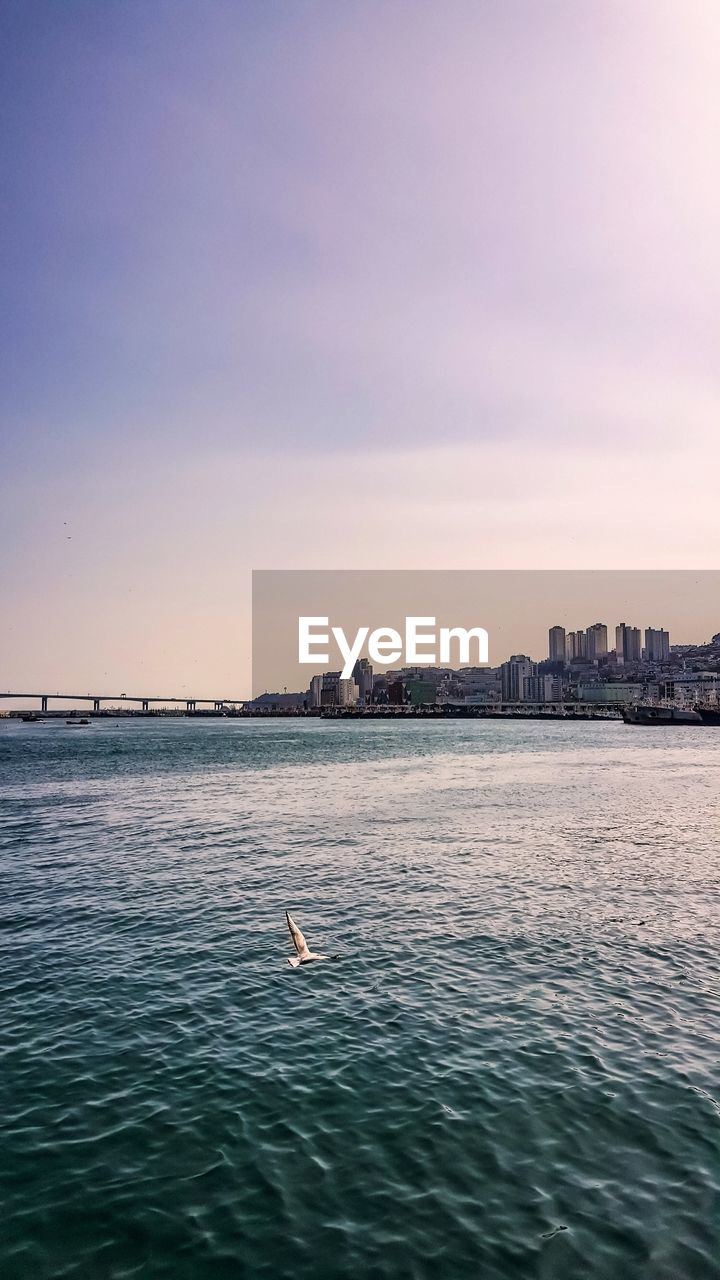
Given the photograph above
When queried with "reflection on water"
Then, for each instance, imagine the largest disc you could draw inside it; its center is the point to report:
(511, 1072)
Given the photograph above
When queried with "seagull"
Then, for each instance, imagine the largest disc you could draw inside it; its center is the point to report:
(304, 954)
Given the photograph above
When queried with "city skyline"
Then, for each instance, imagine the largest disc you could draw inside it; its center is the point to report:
(515, 608)
(607, 677)
(607, 659)
(612, 659)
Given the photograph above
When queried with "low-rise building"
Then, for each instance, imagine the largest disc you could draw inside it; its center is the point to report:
(617, 691)
(421, 693)
(547, 688)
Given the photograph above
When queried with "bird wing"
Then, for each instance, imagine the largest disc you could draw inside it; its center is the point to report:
(297, 936)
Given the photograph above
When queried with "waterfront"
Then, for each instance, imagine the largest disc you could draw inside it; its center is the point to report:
(511, 1072)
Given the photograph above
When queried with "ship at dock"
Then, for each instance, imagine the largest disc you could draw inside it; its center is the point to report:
(649, 715)
(709, 715)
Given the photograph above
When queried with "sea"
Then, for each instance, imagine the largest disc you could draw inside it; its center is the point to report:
(508, 1068)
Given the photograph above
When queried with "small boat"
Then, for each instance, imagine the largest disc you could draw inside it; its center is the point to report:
(660, 715)
(75, 724)
(31, 719)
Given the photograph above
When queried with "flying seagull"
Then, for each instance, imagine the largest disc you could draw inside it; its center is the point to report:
(304, 954)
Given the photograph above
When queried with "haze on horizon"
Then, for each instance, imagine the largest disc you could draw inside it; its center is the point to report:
(343, 286)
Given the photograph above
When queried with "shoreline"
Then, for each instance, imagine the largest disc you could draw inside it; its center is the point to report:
(378, 713)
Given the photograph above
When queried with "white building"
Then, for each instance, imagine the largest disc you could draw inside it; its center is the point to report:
(513, 674)
(347, 693)
(545, 688)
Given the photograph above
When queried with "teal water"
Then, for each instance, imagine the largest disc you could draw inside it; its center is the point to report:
(512, 1071)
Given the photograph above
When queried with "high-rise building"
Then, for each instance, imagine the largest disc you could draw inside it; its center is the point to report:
(576, 646)
(556, 644)
(620, 642)
(329, 691)
(657, 645)
(597, 641)
(347, 693)
(363, 677)
(633, 644)
(512, 675)
(627, 643)
(316, 691)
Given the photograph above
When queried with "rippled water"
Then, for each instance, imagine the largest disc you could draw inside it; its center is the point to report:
(512, 1071)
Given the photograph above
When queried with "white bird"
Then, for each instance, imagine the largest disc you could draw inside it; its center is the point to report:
(304, 954)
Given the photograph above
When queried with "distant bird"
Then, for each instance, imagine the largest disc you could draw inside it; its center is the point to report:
(304, 954)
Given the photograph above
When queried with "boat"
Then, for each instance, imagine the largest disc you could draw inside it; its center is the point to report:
(709, 715)
(31, 719)
(75, 724)
(661, 715)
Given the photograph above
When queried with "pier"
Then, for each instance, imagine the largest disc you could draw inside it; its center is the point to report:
(479, 711)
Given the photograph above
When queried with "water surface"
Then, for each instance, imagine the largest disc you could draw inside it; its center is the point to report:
(511, 1072)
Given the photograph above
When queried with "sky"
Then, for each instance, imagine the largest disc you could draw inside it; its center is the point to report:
(379, 284)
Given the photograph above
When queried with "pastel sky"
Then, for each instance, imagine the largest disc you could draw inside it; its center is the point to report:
(377, 284)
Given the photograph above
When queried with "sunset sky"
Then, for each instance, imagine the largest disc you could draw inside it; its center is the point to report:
(378, 284)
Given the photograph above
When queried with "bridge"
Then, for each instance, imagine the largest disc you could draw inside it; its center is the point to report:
(118, 700)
